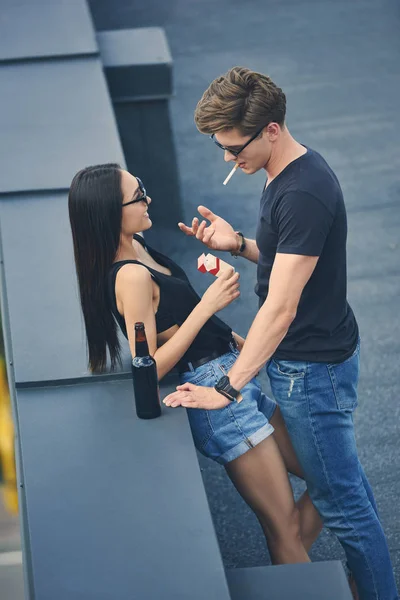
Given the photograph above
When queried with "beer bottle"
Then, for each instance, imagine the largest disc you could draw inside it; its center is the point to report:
(145, 381)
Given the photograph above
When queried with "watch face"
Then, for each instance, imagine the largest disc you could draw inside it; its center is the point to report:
(223, 383)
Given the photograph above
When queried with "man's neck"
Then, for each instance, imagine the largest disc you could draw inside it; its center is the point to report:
(286, 150)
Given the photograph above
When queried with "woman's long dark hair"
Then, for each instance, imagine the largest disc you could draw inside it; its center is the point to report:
(95, 213)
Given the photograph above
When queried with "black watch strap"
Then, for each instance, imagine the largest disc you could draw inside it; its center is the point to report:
(242, 245)
(223, 386)
(223, 393)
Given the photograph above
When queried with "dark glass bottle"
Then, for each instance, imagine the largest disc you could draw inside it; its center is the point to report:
(145, 381)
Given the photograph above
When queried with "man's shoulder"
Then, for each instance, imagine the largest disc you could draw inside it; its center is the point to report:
(311, 177)
(311, 169)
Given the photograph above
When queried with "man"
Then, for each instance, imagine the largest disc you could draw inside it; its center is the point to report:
(305, 330)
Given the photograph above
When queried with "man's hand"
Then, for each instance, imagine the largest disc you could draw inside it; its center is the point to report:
(219, 235)
(195, 396)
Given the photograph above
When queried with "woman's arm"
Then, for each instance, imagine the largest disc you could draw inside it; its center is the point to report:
(139, 307)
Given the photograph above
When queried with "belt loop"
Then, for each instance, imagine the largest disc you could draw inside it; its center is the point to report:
(190, 365)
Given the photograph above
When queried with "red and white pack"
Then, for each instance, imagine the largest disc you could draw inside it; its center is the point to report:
(208, 263)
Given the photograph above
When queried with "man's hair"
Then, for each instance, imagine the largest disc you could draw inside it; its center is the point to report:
(240, 99)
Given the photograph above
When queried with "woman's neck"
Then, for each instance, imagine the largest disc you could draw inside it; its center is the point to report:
(126, 249)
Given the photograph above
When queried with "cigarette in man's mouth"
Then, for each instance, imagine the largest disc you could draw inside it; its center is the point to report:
(231, 174)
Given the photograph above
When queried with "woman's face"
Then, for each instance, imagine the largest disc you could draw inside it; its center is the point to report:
(135, 217)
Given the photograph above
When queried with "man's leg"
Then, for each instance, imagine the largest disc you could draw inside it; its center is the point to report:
(317, 402)
(368, 489)
(310, 522)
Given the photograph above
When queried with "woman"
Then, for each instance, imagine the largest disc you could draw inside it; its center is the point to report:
(122, 280)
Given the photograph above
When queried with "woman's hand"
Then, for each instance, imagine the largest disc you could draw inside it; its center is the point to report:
(221, 292)
(219, 235)
(195, 396)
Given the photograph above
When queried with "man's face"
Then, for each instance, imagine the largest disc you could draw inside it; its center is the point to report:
(253, 157)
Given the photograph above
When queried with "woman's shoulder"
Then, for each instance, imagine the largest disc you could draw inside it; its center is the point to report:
(131, 272)
(132, 280)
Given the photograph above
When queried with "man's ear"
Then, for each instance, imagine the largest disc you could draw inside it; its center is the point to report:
(272, 130)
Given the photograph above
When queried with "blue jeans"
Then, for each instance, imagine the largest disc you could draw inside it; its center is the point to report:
(317, 401)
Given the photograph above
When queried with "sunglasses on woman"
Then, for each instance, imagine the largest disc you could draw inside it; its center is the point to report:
(142, 198)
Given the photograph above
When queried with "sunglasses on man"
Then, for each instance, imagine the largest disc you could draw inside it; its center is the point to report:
(236, 152)
(142, 198)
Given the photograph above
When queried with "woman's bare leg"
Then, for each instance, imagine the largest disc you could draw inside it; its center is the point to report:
(260, 476)
(310, 522)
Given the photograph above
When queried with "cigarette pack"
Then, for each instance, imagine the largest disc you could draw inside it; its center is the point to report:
(208, 263)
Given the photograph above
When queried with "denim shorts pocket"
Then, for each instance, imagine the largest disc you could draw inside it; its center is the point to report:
(291, 369)
(226, 362)
(344, 378)
(201, 427)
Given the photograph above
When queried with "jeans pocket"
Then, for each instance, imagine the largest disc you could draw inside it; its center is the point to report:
(344, 378)
(287, 379)
(290, 368)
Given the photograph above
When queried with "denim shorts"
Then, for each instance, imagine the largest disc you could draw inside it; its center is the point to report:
(226, 433)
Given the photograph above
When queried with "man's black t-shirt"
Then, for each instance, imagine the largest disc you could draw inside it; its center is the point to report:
(302, 212)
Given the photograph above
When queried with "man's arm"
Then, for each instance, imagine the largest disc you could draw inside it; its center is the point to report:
(219, 235)
(303, 222)
(251, 251)
(289, 276)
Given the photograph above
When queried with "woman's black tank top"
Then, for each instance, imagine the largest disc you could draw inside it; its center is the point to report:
(177, 300)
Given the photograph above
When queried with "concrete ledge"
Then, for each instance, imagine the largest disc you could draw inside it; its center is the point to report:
(12, 582)
(55, 118)
(311, 581)
(116, 506)
(36, 30)
(137, 63)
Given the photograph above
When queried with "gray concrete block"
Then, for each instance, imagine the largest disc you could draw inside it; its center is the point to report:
(116, 506)
(312, 581)
(45, 319)
(30, 30)
(47, 329)
(138, 67)
(137, 62)
(147, 139)
(55, 118)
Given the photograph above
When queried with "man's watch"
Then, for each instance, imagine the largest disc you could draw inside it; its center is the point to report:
(242, 247)
(223, 386)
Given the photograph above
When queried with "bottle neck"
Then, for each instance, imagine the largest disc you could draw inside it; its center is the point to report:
(142, 348)
(141, 345)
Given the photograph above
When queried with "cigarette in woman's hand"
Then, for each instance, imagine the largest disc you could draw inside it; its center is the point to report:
(231, 174)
